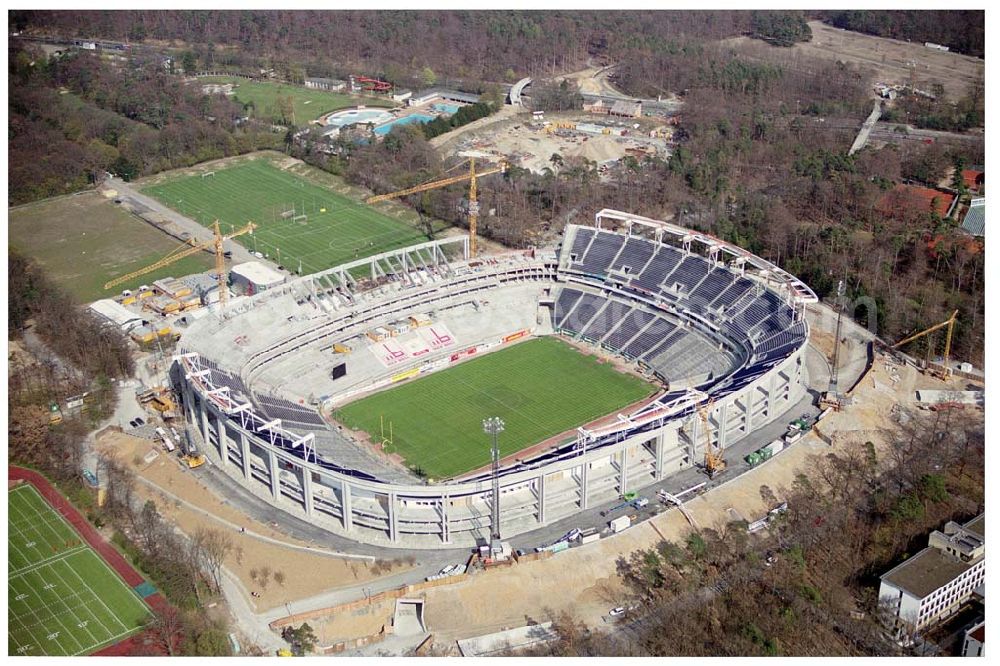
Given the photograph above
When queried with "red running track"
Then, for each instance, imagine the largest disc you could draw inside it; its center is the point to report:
(114, 559)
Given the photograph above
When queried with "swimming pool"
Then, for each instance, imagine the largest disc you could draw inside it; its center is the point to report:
(450, 109)
(405, 120)
(357, 116)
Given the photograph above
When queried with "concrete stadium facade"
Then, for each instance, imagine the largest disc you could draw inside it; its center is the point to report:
(637, 449)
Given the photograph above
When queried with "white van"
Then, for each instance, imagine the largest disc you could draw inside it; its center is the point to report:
(160, 432)
(168, 445)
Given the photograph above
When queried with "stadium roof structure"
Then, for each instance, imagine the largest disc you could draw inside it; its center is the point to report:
(975, 218)
(923, 199)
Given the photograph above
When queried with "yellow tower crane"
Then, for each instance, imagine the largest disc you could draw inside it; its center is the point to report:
(714, 462)
(472, 177)
(220, 259)
(950, 323)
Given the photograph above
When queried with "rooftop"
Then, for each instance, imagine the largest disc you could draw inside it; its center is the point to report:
(258, 273)
(447, 93)
(316, 79)
(925, 572)
(514, 639)
(975, 218)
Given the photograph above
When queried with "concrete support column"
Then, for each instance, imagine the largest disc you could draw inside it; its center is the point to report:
(723, 423)
(245, 452)
(272, 469)
(584, 485)
(445, 532)
(307, 490)
(204, 422)
(658, 449)
(772, 388)
(391, 508)
(748, 411)
(345, 504)
(220, 428)
(623, 472)
(188, 395)
(540, 484)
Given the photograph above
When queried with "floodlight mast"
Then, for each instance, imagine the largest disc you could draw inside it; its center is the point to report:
(494, 426)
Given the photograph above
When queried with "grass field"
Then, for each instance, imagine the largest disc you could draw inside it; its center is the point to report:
(337, 229)
(540, 388)
(308, 104)
(85, 240)
(62, 598)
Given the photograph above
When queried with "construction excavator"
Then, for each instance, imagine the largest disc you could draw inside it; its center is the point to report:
(714, 462)
(942, 371)
(472, 177)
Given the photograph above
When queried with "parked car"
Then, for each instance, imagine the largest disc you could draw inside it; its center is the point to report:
(139, 421)
(572, 535)
(615, 612)
(448, 569)
(132, 424)
(640, 502)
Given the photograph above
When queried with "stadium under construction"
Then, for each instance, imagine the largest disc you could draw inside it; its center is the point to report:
(721, 332)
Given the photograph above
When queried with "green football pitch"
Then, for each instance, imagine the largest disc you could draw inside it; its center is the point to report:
(335, 229)
(540, 388)
(62, 599)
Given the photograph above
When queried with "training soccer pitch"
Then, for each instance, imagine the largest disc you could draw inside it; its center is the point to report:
(62, 599)
(336, 229)
(540, 388)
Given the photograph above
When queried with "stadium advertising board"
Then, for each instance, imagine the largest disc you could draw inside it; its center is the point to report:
(514, 336)
(404, 375)
(457, 356)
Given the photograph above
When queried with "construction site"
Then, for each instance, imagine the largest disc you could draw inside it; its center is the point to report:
(573, 137)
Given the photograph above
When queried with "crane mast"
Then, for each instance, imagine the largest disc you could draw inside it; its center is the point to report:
(473, 177)
(216, 245)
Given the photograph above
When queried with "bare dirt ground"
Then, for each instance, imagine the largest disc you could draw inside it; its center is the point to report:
(890, 60)
(305, 573)
(532, 147)
(363, 621)
(593, 80)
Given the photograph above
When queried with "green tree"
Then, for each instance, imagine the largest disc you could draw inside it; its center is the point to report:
(427, 76)
(189, 62)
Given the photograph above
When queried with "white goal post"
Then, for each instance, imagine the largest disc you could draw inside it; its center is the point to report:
(207, 174)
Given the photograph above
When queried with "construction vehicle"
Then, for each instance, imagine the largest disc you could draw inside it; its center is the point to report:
(341, 349)
(942, 371)
(176, 255)
(714, 463)
(472, 177)
(190, 453)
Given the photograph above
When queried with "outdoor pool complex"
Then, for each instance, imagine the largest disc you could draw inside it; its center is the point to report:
(450, 109)
(357, 116)
(406, 120)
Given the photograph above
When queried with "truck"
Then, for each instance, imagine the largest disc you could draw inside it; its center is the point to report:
(620, 524)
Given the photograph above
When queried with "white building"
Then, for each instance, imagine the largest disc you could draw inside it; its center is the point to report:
(934, 583)
(330, 85)
(254, 277)
(116, 314)
(975, 641)
(402, 95)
